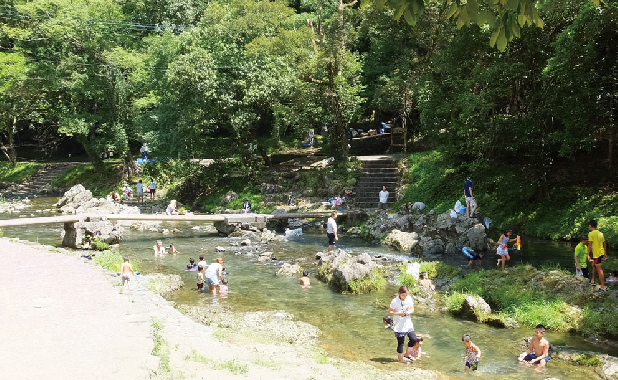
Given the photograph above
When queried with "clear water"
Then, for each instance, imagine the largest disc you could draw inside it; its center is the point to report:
(351, 325)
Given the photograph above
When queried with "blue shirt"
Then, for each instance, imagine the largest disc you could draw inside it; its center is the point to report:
(467, 186)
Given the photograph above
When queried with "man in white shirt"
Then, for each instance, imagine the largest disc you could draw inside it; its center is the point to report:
(331, 230)
(383, 198)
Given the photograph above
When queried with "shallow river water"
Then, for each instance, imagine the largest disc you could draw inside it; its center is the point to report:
(351, 325)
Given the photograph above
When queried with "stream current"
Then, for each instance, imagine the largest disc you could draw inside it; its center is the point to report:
(351, 325)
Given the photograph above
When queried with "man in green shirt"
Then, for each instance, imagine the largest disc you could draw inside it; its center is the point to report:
(581, 256)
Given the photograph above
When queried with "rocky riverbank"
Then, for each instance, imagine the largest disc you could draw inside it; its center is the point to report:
(139, 334)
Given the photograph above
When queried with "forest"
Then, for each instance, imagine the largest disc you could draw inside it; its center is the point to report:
(520, 93)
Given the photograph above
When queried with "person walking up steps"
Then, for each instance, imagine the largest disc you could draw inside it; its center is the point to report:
(598, 247)
(331, 230)
(503, 250)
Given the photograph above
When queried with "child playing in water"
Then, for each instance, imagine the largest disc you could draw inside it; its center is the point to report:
(471, 355)
(503, 250)
(538, 352)
(425, 281)
(200, 278)
(473, 256)
(223, 287)
(388, 322)
(304, 280)
(414, 353)
(202, 263)
(172, 250)
(192, 265)
(124, 271)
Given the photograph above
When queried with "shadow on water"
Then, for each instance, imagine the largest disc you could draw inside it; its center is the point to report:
(351, 325)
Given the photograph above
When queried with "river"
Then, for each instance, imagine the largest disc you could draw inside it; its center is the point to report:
(351, 324)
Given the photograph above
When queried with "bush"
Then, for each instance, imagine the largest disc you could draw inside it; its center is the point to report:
(454, 302)
(99, 245)
(99, 183)
(369, 284)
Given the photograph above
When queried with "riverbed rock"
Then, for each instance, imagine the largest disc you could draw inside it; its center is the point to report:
(288, 269)
(81, 234)
(228, 197)
(474, 308)
(265, 256)
(163, 284)
(245, 242)
(403, 241)
(477, 238)
(219, 249)
(339, 269)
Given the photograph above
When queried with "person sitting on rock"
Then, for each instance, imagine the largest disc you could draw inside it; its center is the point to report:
(126, 191)
(538, 352)
(246, 206)
(171, 208)
(613, 277)
(424, 280)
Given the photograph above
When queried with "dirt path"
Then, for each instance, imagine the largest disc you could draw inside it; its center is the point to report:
(62, 317)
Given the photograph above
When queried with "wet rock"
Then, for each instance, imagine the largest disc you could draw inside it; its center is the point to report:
(219, 249)
(137, 226)
(288, 269)
(163, 284)
(245, 242)
(228, 197)
(429, 247)
(265, 256)
(338, 268)
(403, 241)
(474, 308)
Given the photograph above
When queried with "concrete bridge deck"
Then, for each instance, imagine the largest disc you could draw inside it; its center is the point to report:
(215, 218)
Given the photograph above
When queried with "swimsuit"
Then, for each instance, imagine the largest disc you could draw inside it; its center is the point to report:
(531, 357)
(471, 359)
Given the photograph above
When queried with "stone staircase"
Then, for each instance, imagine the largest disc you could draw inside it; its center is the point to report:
(377, 171)
(39, 183)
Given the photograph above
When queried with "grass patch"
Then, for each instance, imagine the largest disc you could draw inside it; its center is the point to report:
(368, 284)
(434, 269)
(100, 183)
(112, 261)
(266, 363)
(161, 347)
(233, 366)
(454, 302)
(17, 172)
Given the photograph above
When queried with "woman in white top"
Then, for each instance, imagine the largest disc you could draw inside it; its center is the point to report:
(171, 208)
(401, 307)
(214, 274)
(159, 249)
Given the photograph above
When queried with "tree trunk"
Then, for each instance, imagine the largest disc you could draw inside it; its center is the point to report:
(9, 149)
(130, 167)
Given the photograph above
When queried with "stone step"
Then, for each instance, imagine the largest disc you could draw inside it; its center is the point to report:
(379, 163)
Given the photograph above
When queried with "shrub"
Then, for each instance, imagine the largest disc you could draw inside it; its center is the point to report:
(368, 284)
(454, 302)
(99, 245)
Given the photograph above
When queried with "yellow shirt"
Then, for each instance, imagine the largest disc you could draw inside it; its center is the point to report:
(596, 238)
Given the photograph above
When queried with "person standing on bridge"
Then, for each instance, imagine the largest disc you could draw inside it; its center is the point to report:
(331, 230)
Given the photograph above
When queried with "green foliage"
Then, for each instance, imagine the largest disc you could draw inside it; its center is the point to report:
(112, 261)
(368, 284)
(17, 172)
(99, 245)
(588, 360)
(438, 269)
(99, 182)
(454, 301)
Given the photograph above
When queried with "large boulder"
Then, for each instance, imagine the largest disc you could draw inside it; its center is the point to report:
(228, 197)
(78, 200)
(403, 241)
(477, 238)
(473, 307)
(288, 269)
(343, 271)
(81, 234)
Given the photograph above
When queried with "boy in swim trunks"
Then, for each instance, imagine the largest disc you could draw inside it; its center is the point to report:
(538, 352)
(200, 278)
(124, 272)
